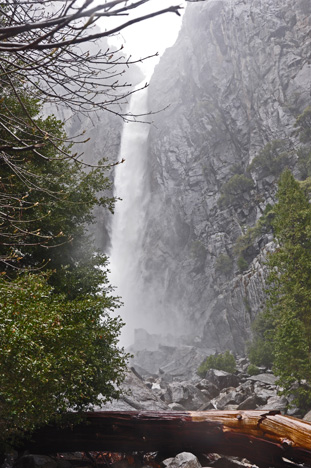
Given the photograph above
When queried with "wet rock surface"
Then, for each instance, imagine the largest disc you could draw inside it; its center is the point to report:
(236, 79)
(174, 382)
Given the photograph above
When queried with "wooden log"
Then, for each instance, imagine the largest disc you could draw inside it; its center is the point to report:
(265, 438)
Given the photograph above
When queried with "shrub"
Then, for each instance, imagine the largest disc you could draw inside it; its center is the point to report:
(225, 362)
(260, 351)
(272, 159)
(303, 123)
(224, 264)
(245, 246)
(242, 264)
(253, 370)
(304, 162)
(233, 190)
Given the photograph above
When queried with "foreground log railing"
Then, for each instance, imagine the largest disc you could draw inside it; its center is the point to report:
(265, 438)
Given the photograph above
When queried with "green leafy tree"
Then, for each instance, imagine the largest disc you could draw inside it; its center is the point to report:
(58, 343)
(55, 354)
(48, 200)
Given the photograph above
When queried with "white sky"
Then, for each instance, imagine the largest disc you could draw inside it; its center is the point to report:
(150, 36)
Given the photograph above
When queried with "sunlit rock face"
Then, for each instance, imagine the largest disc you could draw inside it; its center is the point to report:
(236, 79)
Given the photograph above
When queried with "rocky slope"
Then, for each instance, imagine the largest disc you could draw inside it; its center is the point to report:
(236, 79)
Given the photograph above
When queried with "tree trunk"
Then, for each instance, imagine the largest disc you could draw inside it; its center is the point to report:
(263, 437)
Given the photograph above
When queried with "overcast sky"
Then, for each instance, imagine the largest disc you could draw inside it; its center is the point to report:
(153, 35)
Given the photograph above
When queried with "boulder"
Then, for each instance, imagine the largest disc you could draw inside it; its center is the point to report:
(35, 461)
(249, 403)
(276, 403)
(208, 388)
(176, 407)
(222, 379)
(186, 394)
(182, 460)
(307, 416)
(136, 396)
(229, 398)
(266, 378)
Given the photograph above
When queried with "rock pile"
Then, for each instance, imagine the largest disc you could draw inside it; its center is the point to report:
(222, 390)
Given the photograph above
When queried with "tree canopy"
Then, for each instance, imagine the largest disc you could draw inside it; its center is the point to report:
(284, 330)
(58, 339)
(56, 354)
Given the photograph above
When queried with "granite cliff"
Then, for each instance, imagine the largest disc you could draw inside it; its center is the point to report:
(236, 80)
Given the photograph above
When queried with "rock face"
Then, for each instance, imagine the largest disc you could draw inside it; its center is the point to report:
(236, 79)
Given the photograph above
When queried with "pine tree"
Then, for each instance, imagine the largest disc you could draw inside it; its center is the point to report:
(288, 313)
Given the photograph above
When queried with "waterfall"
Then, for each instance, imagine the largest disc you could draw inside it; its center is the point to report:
(128, 220)
(141, 309)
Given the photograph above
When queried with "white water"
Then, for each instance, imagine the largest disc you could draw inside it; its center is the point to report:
(128, 220)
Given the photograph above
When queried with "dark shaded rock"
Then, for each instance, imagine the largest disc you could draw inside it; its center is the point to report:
(209, 389)
(249, 403)
(35, 461)
(230, 462)
(234, 84)
(222, 379)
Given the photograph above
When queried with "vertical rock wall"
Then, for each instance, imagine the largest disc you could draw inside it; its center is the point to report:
(236, 79)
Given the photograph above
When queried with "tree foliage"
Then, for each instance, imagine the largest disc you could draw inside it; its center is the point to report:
(48, 200)
(286, 324)
(55, 353)
(224, 361)
(233, 190)
(272, 159)
(58, 343)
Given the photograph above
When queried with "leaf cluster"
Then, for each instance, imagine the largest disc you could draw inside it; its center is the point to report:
(58, 340)
(55, 353)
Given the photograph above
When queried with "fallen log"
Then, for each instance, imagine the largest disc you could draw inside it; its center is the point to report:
(265, 438)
